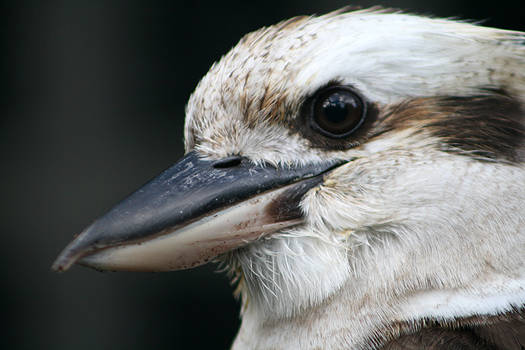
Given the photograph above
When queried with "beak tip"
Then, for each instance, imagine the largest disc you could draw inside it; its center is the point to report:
(73, 252)
(65, 260)
(61, 264)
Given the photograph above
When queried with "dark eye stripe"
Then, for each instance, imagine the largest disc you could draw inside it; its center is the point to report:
(486, 127)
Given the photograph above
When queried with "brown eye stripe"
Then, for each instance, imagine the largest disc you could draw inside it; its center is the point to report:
(485, 127)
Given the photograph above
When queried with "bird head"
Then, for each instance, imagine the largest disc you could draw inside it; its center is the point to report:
(366, 164)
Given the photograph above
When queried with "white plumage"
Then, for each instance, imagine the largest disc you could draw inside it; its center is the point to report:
(423, 224)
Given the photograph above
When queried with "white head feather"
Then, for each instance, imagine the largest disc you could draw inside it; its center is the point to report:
(403, 231)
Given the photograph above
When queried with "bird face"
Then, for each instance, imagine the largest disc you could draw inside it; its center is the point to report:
(361, 155)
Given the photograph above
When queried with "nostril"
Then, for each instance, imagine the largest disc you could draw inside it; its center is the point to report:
(228, 162)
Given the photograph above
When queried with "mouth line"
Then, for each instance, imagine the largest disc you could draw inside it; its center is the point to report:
(192, 204)
(281, 208)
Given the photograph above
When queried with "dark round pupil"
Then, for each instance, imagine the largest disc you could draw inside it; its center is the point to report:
(335, 108)
(338, 112)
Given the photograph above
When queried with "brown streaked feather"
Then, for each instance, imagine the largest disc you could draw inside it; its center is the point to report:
(439, 339)
(507, 333)
(292, 23)
(496, 332)
(488, 126)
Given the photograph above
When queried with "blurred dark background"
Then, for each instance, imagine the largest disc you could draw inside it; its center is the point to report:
(92, 106)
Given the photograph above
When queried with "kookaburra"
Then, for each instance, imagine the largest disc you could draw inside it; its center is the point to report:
(362, 175)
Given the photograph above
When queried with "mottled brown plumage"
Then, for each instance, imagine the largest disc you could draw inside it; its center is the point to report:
(502, 332)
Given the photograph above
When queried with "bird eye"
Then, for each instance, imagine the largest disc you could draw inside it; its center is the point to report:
(337, 112)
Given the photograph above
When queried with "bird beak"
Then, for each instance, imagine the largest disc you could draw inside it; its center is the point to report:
(193, 212)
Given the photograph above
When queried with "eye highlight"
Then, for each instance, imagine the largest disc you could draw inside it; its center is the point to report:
(337, 112)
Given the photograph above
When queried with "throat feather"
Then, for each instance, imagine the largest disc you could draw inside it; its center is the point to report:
(287, 273)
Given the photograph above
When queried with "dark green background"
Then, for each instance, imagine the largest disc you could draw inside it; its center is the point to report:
(92, 106)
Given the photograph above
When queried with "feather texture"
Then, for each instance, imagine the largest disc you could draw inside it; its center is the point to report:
(423, 225)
